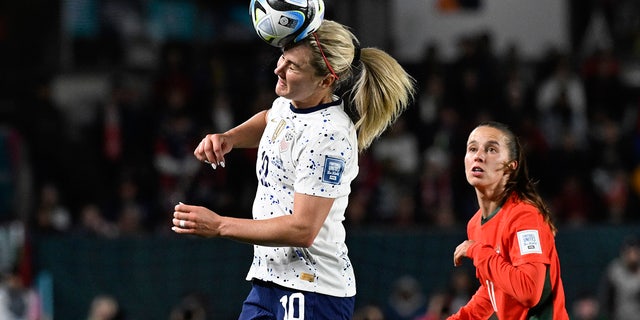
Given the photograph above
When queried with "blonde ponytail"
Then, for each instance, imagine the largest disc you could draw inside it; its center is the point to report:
(382, 89)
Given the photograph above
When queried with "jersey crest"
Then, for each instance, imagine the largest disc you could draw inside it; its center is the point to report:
(286, 141)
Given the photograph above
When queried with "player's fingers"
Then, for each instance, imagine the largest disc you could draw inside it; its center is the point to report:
(218, 151)
(458, 254)
(182, 230)
(456, 261)
(182, 212)
(182, 223)
(207, 150)
(199, 151)
(211, 147)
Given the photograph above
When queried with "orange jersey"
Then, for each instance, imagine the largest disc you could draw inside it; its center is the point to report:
(517, 265)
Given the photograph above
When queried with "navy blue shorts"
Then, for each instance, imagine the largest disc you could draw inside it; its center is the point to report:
(268, 301)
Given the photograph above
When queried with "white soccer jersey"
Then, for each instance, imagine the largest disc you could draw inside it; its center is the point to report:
(312, 151)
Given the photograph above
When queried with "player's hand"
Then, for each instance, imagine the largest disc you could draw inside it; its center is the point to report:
(461, 252)
(212, 149)
(195, 220)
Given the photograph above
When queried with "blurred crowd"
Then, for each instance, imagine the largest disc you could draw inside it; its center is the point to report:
(576, 118)
(121, 172)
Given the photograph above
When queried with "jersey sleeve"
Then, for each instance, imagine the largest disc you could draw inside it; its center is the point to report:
(523, 283)
(327, 164)
(530, 238)
(478, 307)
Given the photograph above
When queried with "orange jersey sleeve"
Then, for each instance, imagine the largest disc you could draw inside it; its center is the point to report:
(524, 282)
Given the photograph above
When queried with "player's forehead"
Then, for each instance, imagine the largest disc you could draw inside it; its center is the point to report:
(299, 55)
(487, 134)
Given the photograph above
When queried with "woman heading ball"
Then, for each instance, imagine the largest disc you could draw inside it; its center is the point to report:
(308, 144)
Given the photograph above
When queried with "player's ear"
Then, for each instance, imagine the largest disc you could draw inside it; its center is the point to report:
(513, 165)
(328, 81)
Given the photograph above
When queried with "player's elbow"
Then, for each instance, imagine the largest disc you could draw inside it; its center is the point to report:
(529, 301)
(528, 283)
(303, 235)
(307, 240)
(529, 295)
(300, 243)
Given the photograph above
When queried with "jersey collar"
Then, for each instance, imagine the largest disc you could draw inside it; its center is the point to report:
(316, 108)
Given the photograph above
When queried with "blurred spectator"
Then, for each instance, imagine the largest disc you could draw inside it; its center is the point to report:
(431, 100)
(357, 214)
(122, 131)
(192, 306)
(130, 221)
(515, 93)
(17, 300)
(609, 138)
(471, 86)
(364, 188)
(397, 152)
(614, 190)
(15, 174)
(432, 63)
(211, 95)
(405, 212)
(603, 86)
(128, 208)
(173, 158)
(173, 79)
(562, 160)
(93, 223)
(45, 127)
(406, 301)
(221, 113)
(368, 312)
(621, 283)
(443, 303)
(435, 189)
(51, 214)
(573, 204)
(437, 307)
(533, 141)
(635, 181)
(586, 307)
(462, 287)
(105, 307)
(610, 170)
(561, 103)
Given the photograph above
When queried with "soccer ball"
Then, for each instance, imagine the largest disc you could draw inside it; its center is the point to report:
(280, 22)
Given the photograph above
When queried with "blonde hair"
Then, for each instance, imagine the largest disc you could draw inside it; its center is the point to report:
(381, 88)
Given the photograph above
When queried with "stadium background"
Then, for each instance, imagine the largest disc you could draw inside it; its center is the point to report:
(95, 96)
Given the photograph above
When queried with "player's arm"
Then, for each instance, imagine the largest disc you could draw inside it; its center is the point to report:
(296, 230)
(213, 147)
(478, 307)
(248, 133)
(524, 282)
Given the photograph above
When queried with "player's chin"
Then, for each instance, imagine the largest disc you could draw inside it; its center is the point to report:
(471, 179)
(281, 90)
